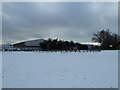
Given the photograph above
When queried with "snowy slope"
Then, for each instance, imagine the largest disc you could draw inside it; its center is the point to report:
(60, 70)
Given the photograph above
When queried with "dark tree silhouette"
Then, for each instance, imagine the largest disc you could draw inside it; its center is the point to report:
(59, 45)
(107, 39)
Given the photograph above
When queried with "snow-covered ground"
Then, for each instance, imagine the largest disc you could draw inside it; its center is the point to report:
(60, 70)
(0, 70)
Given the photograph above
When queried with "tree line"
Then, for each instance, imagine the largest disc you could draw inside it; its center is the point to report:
(60, 45)
(107, 40)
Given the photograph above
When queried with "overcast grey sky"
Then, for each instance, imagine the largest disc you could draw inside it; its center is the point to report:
(75, 21)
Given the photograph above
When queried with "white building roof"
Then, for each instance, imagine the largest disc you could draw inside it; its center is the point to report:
(34, 42)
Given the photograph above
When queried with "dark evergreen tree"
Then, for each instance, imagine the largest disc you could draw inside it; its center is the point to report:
(59, 45)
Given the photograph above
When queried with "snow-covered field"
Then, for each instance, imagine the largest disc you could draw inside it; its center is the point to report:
(60, 70)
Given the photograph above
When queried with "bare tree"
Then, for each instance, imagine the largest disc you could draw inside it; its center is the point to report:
(106, 39)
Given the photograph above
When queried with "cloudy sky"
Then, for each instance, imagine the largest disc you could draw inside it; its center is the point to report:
(75, 21)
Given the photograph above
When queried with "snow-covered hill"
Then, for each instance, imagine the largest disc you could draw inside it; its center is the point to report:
(60, 70)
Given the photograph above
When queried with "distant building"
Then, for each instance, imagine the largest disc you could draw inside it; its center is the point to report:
(34, 42)
(30, 43)
(7, 47)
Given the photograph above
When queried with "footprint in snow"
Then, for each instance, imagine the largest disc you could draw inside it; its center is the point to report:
(76, 76)
(92, 82)
(84, 78)
(2, 76)
(62, 79)
(43, 82)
